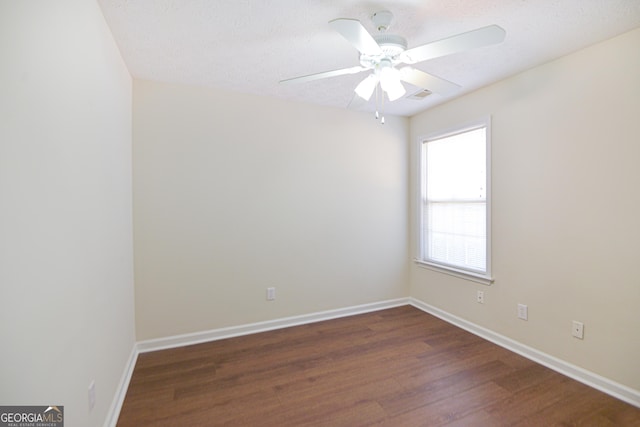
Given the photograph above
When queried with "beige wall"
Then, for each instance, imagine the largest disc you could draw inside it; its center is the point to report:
(66, 271)
(235, 193)
(566, 206)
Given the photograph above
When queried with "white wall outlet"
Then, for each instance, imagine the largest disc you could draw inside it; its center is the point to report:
(92, 394)
(271, 294)
(577, 329)
(480, 297)
(523, 312)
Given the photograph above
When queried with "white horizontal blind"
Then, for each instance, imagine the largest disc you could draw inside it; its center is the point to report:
(454, 212)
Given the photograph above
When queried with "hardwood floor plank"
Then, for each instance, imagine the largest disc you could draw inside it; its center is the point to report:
(443, 388)
(444, 411)
(526, 377)
(531, 400)
(578, 407)
(480, 418)
(398, 367)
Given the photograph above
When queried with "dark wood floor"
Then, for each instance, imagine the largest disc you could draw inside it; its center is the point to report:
(398, 367)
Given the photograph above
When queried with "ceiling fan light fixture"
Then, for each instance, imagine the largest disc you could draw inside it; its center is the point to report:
(391, 84)
(366, 87)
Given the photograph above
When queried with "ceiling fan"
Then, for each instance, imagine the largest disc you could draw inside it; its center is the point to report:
(383, 53)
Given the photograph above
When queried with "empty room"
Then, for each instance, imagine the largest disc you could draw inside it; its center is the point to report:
(305, 213)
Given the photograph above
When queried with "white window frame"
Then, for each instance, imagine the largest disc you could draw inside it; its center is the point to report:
(473, 275)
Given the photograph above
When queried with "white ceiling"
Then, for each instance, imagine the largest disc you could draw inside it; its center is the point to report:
(249, 45)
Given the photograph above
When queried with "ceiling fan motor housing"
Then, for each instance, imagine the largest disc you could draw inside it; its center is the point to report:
(392, 46)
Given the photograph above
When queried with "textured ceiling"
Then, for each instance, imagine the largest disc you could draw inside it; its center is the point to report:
(249, 45)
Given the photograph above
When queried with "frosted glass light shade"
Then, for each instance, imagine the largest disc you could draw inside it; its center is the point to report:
(366, 87)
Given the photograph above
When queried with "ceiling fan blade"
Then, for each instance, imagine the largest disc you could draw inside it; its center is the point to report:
(325, 74)
(484, 36)
(427, 81)
(357, 35)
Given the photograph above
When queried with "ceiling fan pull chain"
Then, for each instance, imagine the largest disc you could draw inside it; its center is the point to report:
(382, 108)
(377, 103)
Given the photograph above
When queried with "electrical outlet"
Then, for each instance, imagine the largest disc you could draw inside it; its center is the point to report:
(523, 312)
(480, 297)
(271, 294)
(577, 329)
(92, 394)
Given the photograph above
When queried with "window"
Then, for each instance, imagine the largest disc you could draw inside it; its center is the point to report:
(454, 206)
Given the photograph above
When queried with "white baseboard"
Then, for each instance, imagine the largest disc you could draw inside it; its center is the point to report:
(269, 325)
(121, 391)
(612, 388)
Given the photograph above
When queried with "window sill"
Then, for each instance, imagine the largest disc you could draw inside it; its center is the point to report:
(466, 275)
